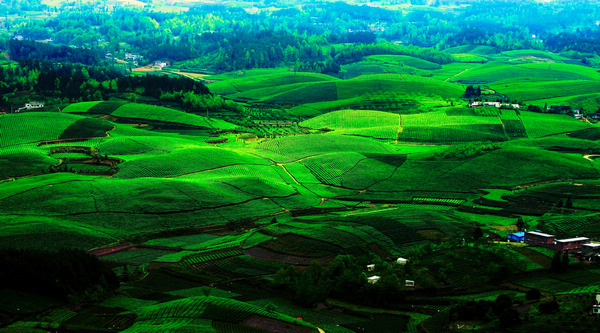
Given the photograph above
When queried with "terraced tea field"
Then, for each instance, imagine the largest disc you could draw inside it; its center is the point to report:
(202, 212)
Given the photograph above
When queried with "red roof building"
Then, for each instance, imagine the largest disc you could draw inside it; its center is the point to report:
(539, 238)
(570, 244)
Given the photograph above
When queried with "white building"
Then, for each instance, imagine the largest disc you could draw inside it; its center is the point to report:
(401, 261)
(373, 279)
(34, 105)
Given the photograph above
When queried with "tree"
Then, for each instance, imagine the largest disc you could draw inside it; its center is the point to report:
(270, 307)
(564, 262)
(509, 318)
(520, 223)
(501, 304)
(556, 266)
(533, 295)
(549, 307)
(477, 233)
(569, 203)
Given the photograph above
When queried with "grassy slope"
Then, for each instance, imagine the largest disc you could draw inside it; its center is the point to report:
(376, 124)
(19, 128)
(186, 313)
(151, 113)
(404, 60)
(236, 85)
(313, 92)
(539, 90)
(184, 161)
(497, 71)
(298, 147)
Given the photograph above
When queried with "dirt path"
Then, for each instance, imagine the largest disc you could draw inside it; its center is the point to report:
(400, 129)
(446, 80)
(289, 174)
(589, 157)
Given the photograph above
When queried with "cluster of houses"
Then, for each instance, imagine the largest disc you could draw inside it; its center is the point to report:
(275, 123)
(499, 105)
(559, 109)
(375, 278)
(578, 245)
(31, 105)
(575, 112)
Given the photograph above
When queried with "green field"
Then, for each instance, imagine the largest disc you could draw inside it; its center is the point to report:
(379, 125)
(541, 90)
(499, 73)
(384, 160)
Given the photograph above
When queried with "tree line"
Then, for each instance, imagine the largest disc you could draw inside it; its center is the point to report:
(344, 278)
(68, 275)
(76, 83)
(227, 38)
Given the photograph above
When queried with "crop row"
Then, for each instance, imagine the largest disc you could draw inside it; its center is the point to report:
(424, 206)
(172, 325)
(439, 200)
(202, 258)
(21, 128)
(329, 168)
(214, 308)
(582, 290)
(565, 224)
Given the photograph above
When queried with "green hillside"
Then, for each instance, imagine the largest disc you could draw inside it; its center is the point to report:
(237, 85)
(379, 125)
(299, 166)
(153, 114)
(498, 71)
(33, 127)
(206, 314)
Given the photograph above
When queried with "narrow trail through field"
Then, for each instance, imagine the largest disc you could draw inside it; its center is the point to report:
(589, 157)
(211, 169)
(446, 80)
(38, 187)
(400, 129)
(289, 174)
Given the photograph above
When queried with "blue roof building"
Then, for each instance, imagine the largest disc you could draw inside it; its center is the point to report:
(518, 237)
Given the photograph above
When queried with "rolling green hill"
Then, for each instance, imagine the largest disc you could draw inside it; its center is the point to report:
(204, 314)
(237, 85)
(498, 71)
(148, 113)
(203, 218)
(379, 125)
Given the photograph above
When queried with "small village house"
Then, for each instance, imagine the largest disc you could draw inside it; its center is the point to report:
(596, 307)
(409, 283)
(401, 261)
(34, 105)
(539, 238)
(571, 244)
(498, 105)
(371, 267)
(591, 251)
(30, 106)
(132, 56)
(162, 63)
(373, 279)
